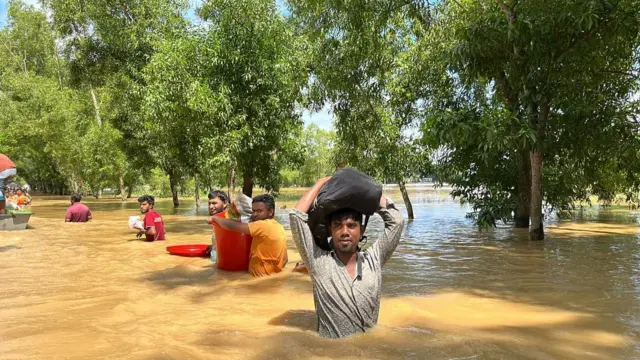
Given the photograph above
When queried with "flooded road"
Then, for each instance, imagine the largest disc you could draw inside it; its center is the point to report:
(93, 291)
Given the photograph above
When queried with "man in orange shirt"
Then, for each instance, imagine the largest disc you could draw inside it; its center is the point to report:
(7, 171)
(269, 245)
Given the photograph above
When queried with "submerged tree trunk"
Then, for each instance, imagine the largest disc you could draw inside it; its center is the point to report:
(522, 212)
(123, 196)
(129, 191)
(174, 190)
(197, 191)
(536, 230)
(247, 185)
(407, 200)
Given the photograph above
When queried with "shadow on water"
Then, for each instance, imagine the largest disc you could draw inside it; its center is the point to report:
(181, 276)
(8, 248)
(212, 281)
(301, 319)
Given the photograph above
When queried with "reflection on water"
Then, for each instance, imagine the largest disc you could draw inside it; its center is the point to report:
(451, 291)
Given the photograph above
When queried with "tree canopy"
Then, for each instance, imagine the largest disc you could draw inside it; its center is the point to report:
(523, 107)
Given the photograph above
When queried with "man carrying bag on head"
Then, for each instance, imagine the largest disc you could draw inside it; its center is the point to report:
(347, 281)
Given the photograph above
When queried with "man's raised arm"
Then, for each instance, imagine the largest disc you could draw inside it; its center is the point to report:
(300, 231)
(393, 226)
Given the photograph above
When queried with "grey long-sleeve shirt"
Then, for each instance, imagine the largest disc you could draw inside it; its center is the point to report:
(345, 306)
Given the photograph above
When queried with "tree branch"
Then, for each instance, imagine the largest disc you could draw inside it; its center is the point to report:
(501, 80)
(511, 15)
(633, 73)
(458, 3)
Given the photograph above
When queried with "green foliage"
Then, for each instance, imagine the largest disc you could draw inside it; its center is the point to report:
(127, 94)
(501, 63)
(158, 183)
(259, 60)
(358, 60)
(319, 145)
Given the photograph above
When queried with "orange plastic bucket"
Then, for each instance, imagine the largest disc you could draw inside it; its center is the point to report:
(233, 248)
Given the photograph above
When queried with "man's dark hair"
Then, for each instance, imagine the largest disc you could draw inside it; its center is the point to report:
(344, 214)
(75, 197)
(148, 198)
(218, 194)
(267, 200)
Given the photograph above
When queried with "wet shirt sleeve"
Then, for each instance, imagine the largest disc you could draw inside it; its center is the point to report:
(303, 238)
(393, 226)
(149, 220)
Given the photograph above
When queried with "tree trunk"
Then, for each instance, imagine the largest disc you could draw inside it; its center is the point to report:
(174, 191)
(522, 213)
(55, 50)
(407, 200)
(231, 181)
(197, 191)
(247, 185)
(536, 230)
(55, 47)
(123, 196)
(84, 188)
(74, 184)
(96, 107)
(24, 62)
(129, 191)
(98, 194)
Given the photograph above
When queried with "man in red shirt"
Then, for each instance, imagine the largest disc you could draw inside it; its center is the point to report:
(7, 171)
(153, 226)
(77, 212)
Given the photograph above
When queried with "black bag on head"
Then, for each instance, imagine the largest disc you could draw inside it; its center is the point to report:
(347, 188)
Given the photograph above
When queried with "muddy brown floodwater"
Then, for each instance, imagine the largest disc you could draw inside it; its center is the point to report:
(93, 291)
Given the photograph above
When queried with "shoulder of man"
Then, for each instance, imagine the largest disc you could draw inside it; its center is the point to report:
(260, 225)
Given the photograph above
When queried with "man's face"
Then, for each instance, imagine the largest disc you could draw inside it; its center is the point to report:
(145, 207)
(260, 212)
(346, 234)
(216, 206)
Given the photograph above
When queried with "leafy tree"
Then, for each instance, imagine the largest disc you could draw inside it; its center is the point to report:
(318, 159)
(534, 77)
(260, 63)
(107, 44)
(357, 49)
(184, 110)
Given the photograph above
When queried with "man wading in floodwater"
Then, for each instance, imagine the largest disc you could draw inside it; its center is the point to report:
(347, 282)
(269, 245)
(218, 202)
(153, 226)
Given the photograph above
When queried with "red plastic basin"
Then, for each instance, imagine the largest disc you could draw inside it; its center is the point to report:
(233, 248)
(189, 250)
